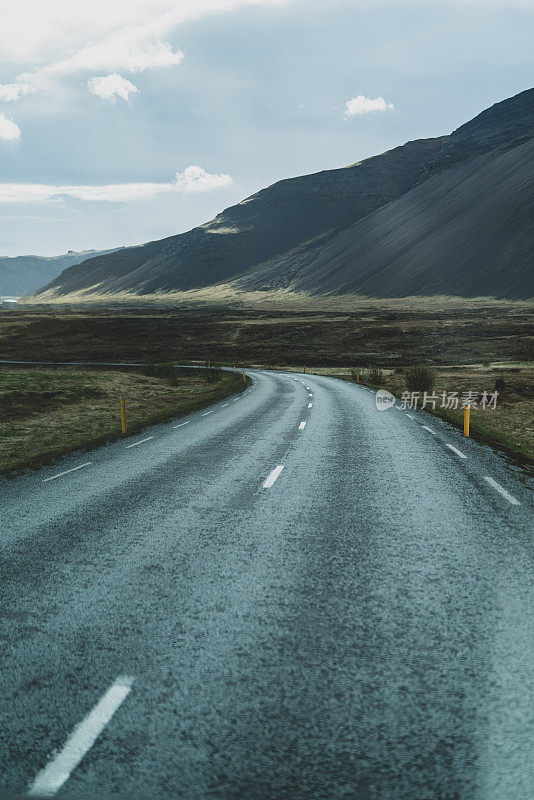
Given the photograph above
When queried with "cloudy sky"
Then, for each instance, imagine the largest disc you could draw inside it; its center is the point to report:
(128, 120)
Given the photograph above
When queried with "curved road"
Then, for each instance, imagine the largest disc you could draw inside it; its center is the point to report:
(240, 605)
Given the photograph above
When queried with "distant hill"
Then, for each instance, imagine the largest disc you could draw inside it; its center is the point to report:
(450, 215)
(260, 227)
(20, 275)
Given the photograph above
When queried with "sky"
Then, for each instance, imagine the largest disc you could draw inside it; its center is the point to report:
(127, 121)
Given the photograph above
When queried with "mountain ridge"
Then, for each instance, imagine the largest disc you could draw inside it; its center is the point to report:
(270, 228)
(20, 275)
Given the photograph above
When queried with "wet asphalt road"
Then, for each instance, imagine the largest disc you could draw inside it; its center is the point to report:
(362, 627)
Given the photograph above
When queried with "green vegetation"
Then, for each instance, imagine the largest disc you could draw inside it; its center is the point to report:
(382, 335)
(419, 379)
(45, 413)
(468, 346)
(165, 372)
(374, 376)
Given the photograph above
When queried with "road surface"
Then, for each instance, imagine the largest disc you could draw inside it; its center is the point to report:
(287, 595)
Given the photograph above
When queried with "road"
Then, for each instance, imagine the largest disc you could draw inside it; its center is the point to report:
(240, 605)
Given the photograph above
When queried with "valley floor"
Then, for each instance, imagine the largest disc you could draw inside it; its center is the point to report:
(470, 344)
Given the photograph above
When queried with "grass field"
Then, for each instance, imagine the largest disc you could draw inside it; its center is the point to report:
(456, 337)
(363, 335)
(45, 413)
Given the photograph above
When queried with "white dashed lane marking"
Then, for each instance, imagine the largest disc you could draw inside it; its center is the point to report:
(426, 428)
(273, 476)
(84, 735)
(502, 491)
(455, 450)
(205, 414)
(142, 441)
(67, 471)
(181, 424)
(302, 425)
(310, 405)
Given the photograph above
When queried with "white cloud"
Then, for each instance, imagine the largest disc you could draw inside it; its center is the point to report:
(120, 52)
(193, 179)
(62, 37)
(111, 86)
(38, 31)
(196, 179)
(9, 92)
(9, 130)
(360, 105)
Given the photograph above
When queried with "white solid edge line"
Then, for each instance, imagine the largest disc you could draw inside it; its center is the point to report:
(50, 779)
(426, 428)
(60, 474)
(205, 414)
(310, 405)
(273, 476)
(148, 438)
(223, 405)
(408, 415)
(511, 499)
(236, 399)
(181, 424)
(302, 425)
(454, 450)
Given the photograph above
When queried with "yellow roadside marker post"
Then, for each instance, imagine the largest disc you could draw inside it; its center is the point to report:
(123, 415)
(358, 377)
(467, 414)
(244, 378)
(234, 369)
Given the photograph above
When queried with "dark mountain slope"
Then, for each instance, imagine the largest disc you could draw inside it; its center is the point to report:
(267, 224)
(20, 275)
(467, 231)
(293, 212)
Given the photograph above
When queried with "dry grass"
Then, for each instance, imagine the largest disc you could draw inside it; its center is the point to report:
(510, 426)
(275, 337)
(452, 335)
(46, 413)
(226, 294)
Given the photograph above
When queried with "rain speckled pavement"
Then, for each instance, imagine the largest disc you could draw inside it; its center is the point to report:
(361, 627)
